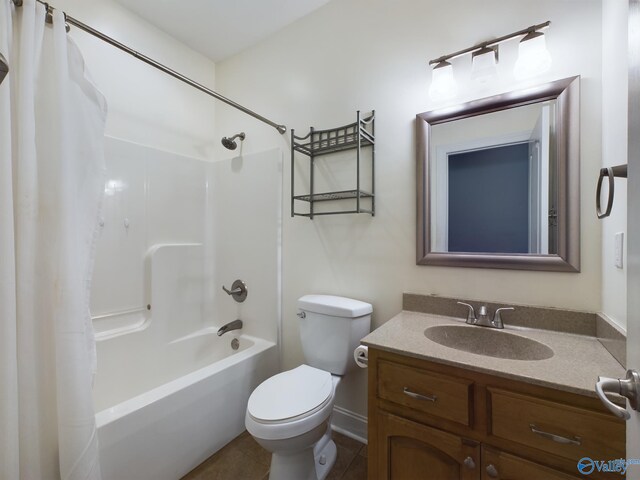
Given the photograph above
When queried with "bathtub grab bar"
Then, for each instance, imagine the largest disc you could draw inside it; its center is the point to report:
(120, 313)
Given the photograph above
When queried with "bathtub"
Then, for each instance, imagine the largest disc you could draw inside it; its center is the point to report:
(163, 412)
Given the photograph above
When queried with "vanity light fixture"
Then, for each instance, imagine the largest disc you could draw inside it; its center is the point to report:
(443, 84)
(484, 64)
(533, 56)
(533, 59)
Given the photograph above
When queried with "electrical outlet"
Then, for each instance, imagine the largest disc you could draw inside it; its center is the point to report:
(619, 249)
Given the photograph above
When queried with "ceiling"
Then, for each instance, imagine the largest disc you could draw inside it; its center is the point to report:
(221, 28)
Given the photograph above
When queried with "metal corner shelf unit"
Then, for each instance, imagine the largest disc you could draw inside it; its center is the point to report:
(354, 136)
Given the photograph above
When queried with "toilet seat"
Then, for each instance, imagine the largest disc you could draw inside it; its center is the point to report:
(290, 403)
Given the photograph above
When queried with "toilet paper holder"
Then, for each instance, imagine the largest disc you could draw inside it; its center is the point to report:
(361, 356)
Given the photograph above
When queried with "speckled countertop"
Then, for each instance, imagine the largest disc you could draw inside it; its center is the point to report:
(577, 362)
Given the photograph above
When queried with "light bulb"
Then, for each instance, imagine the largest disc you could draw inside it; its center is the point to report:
(443, 84)
(484, 64)
(533, 56)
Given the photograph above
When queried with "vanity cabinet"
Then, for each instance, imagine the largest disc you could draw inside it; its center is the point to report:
(501, 465)
(433, 421)
(410, 450)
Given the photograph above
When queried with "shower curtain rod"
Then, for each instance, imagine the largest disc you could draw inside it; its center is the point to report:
(149, 61)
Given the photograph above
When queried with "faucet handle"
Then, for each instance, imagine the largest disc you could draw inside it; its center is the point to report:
(471, 315)
(497, 316)
(238, 291)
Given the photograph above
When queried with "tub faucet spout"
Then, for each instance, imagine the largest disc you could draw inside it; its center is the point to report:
(235, 325)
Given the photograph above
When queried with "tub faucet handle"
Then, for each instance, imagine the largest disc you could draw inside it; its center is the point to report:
(238, 291)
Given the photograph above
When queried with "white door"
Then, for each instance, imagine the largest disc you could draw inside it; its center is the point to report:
(631, 387)
(633, 226)
(539, 218)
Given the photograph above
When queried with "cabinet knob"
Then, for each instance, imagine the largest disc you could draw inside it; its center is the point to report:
(492, 471)
(469, 463)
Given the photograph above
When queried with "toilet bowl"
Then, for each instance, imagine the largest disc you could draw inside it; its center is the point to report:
(289, 414)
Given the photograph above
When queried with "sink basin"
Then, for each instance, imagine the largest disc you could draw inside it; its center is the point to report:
(489, 342)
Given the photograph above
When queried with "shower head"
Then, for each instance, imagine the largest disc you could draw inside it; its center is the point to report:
(4, 68)
(230, 143)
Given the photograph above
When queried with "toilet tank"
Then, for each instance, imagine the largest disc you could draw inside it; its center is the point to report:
(330, 330)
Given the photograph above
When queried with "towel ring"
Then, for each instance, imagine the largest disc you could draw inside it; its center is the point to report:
(609, 172)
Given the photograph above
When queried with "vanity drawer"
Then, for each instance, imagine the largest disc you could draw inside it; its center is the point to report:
(439, 395)
(556, 428)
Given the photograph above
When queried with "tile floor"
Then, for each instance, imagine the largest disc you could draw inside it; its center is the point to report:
(244, 459)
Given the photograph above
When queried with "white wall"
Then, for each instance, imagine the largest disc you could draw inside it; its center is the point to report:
(146, 106)
(614, 152)
(366, 54)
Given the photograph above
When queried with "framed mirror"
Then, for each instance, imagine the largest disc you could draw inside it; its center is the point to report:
(498, 181)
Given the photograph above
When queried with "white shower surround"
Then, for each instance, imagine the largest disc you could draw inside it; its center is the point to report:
(169, 392)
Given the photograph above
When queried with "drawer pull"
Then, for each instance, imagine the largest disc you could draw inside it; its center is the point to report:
(469, 463)
(556, 438)
(418, 396)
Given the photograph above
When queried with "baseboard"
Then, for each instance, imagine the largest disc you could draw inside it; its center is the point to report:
(350, 424)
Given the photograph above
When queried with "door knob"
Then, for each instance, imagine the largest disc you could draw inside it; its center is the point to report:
(628, 387)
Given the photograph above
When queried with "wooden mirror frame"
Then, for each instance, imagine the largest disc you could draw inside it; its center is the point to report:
(566, 92)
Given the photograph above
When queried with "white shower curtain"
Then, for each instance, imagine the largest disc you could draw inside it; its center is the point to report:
(51, 185)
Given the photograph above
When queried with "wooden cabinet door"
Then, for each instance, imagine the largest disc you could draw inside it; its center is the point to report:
(410, 451)
(497, 465)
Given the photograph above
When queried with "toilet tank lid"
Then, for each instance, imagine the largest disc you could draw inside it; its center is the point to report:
(335, 306)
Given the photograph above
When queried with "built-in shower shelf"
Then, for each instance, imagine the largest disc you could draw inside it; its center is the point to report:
(354, 136)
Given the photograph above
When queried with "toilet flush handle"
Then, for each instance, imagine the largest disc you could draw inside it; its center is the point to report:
(302, 315)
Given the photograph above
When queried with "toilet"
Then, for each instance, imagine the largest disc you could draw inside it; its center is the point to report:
(289, 414)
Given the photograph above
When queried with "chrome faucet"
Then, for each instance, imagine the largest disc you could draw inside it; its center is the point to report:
(235, 325)
(483, 320)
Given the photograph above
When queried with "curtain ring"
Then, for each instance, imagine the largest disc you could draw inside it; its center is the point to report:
(605, 172)
(48, 18)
